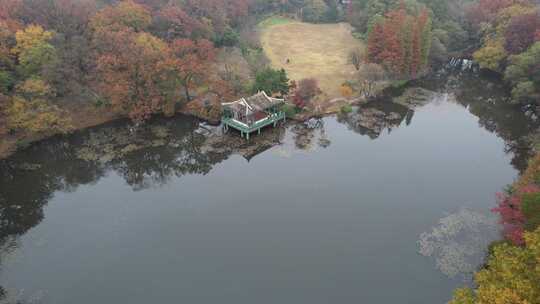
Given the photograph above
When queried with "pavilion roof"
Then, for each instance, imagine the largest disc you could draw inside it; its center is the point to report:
(255, 103)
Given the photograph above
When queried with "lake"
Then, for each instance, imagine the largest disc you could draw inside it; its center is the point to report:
(387, 204)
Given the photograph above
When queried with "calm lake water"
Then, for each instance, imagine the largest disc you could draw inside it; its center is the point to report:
(337, 210)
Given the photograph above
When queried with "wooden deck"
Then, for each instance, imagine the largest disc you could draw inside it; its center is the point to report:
(246, 129)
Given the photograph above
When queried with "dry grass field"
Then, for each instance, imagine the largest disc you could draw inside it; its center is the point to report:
(319, 51)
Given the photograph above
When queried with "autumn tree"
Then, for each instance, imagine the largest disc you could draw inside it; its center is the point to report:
(392, 54)
(305, 91)
(33, 49)
(68, 17)
(491, 55)
(499, 36)
(30, 109)
(237, 11)
(172, 22)
(212, 12)
(510, 276)
(125, 14)
(483, 11)
(376, 42)
(521, 32)
(130, 69)
(191, 62)
(401, 42)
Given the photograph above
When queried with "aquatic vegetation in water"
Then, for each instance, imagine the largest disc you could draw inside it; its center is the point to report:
(372, 121)
(28, 166)
(20, 297)
(108, 144)
(160, 131)
(307, 133)
(415, 97)
(459, 241)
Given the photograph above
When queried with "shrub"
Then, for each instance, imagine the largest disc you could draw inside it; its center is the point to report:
(271, 81)
(346, 109)
(346, 90)
(306, 90)
(289, 110)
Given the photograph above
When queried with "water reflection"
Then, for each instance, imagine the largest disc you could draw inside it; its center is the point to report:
(374, 119)
(167, 148)
(309, 134)
(488, 99)
(146, 158)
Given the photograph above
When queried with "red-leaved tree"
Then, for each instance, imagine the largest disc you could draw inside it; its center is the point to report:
(509, 209)
(400, 42)
(521, 32)
(306, 90)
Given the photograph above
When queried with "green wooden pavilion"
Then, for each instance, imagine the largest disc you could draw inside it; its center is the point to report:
(251, 114)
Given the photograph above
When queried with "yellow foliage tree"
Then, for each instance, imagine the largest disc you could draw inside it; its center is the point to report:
(512, 276)
(32, 36)
(30, 111)
(33, 50)
(531, 175)
(491, 55)
(34, 87)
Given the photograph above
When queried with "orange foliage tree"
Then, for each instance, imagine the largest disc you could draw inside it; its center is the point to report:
(190, 61)
(129, 72)
(125, 14)
(401, 42)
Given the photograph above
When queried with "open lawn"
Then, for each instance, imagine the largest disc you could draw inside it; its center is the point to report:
(319, 51)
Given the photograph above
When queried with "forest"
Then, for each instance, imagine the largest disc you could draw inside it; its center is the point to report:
(137, 58)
